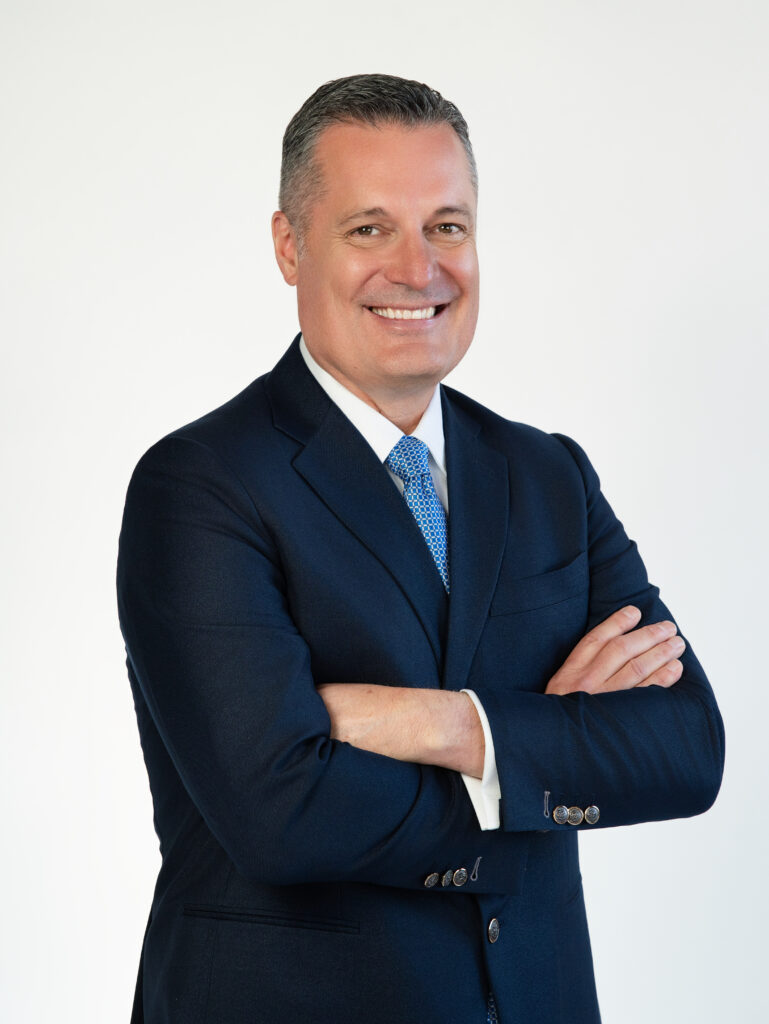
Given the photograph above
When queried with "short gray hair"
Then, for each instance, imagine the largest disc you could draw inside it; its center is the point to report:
(369, 99)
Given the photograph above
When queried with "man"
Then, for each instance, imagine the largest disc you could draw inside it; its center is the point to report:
(389, 652)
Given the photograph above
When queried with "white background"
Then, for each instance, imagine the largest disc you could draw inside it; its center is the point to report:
(623, 160)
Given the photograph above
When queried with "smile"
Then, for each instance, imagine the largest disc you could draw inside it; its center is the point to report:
(426, 313)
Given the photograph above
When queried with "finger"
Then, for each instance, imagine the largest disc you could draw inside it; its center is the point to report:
(641, 668)
(665, 676)
(625, 650)
(616, 625)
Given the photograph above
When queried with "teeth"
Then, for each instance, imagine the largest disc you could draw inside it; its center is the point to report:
(404, 314)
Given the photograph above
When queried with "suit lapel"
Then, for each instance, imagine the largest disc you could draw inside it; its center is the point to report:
(343, 470)
(478, 528)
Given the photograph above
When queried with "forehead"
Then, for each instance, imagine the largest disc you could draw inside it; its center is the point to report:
(387, 165)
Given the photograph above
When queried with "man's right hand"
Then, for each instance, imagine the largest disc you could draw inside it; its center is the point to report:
(616, 656)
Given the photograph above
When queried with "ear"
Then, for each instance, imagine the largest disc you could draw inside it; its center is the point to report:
(286, 248)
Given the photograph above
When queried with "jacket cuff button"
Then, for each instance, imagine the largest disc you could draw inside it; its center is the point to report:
(575, 816)
(446, 880)
(460, 876)
(432, 879)
(561, 815)
(592, 814)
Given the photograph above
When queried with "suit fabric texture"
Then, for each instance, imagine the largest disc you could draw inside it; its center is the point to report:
(265, 551)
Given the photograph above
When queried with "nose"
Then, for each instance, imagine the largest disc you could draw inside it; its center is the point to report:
(412, 262)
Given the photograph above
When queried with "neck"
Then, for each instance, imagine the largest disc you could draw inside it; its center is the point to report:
(405, 415)
(404, 406)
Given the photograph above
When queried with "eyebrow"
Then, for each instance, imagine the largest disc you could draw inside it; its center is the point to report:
(379, 211)
(374, 211)
(449, 211)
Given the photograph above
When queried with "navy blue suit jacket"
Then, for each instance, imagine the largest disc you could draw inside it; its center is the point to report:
(264, 551)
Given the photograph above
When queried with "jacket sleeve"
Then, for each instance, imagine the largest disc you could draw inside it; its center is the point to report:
(643, 754)
(227, 681)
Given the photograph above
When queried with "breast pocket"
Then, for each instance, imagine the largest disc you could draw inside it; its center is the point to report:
(532, 592)
(533, 624)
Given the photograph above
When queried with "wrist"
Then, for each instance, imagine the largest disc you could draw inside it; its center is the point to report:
(456, 734)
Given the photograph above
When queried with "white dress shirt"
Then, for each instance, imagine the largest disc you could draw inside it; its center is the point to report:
(383, 435)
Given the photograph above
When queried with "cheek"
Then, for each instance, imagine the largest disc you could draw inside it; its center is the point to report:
(463, 267)
(471, 275)
(324, 290)
(345, 269)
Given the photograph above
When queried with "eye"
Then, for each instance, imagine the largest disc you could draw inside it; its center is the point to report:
(365, 231)
(450, 233)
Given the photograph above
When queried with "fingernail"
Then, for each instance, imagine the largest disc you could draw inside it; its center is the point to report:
(631, 612)
(677, 645)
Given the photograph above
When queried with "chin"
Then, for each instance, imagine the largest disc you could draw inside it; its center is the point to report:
(417, 370)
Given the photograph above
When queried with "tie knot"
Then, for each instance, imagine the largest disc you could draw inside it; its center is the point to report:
(408, 459)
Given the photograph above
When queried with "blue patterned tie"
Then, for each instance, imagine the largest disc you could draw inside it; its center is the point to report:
(408, 460)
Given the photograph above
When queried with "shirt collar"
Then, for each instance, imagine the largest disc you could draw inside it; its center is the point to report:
(380, 433)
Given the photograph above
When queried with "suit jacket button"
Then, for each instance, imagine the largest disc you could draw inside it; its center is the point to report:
(561, 815)
(493, 930)
(432, 879)
(592, 814)
(460, 876)
(446, 880)
(575, 815)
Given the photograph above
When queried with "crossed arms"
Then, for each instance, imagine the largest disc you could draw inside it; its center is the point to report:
(226, 687)
(442, 728)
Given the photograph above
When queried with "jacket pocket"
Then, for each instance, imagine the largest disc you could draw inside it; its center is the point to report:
(532, 592)
(270, 918)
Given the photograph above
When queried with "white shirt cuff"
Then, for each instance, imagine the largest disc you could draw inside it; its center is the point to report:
(484, 793)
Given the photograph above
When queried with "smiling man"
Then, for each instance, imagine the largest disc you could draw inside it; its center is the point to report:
(388, 257)
(390, 652)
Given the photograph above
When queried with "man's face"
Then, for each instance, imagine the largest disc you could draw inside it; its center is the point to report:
(387, 277)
